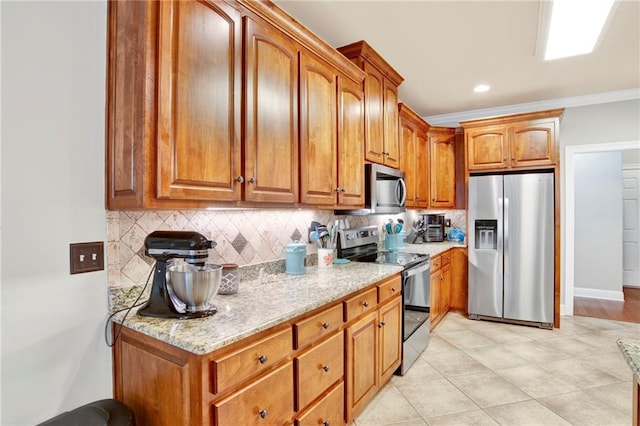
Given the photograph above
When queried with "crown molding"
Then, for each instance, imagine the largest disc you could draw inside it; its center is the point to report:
(454, 119)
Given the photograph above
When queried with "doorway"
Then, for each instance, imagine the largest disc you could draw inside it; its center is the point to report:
(567, 221)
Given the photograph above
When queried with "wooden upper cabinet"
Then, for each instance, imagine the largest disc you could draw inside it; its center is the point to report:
(443, 167)
(487, 148)
(350, 143)
(513, 142)
(198, 75)
(318, 131)
(381, 103)
(414, 155)
(271, 114)
(173, 104)
(391, 143)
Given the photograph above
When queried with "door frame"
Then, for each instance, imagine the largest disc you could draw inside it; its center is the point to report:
(567, 219)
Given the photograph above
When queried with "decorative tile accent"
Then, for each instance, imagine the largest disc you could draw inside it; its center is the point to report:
(246, 237)
(239, 243)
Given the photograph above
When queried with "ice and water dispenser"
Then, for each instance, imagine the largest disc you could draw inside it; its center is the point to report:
(486, 233)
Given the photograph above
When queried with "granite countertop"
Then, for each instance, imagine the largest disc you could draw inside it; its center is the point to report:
(259, 305)
(631, 351)
(432, 249)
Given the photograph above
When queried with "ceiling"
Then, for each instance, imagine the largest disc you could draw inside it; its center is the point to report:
(444, 48)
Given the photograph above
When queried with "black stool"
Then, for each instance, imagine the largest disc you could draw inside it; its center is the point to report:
(106, 412)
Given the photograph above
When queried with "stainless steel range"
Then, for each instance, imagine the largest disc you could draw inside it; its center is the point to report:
(361, 245)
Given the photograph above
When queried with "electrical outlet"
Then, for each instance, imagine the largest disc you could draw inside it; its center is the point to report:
(86, 257)
(447, 223)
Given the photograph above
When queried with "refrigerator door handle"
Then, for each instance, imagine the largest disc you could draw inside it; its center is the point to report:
(505, 239)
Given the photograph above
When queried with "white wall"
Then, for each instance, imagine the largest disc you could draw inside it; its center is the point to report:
(53, 104)
(598, 225)
(615, 123)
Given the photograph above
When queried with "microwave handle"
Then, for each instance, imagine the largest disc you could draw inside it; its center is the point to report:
(402, 197)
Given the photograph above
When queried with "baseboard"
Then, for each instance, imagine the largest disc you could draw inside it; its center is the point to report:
(598, 294)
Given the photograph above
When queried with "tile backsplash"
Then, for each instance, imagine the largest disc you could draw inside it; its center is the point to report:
(245, 237)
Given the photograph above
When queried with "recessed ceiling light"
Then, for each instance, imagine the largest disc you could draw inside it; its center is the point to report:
(575, 27)
(481, 88)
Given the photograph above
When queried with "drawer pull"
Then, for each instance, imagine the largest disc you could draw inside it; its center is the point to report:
(326, 423)
(393, 289)
(365, 304)
(264, 413)
(325, 325)
(381, 324)
(263, 359)
(326, 368)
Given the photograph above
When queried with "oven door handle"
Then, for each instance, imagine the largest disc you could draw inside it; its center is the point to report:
(417, 269)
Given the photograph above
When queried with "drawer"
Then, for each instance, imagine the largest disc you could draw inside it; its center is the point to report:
(436, 263)
(317, 327)
(250, 360)
(358, 305)
(389, 288)
(328, 411)
(267, 401)
(445, 258)
(318, 369)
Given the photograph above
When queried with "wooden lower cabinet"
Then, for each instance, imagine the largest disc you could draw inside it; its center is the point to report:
(268, 400)
(373, 351)
(302, 371)
(459, 280)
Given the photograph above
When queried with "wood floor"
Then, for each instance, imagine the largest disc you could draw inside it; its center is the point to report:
(628, 311)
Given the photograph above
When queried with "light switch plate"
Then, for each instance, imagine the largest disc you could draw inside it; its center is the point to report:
(86, 257)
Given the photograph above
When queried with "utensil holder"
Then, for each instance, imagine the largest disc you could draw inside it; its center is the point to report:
(394, 242)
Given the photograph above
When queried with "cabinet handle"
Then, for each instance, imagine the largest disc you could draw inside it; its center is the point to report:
(513, 158)
(263, 359)
(433, 200)
(264, 413)
(338, 189)
(240, 179)
(381, 324)
(325, 325)
(393, 289)
(505, 158)
(365, 304)
(343, 190)
(417, 197)
(326, 368)
(252, 180)
(326, 423)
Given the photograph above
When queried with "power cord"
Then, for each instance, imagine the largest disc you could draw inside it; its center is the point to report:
(128, 309)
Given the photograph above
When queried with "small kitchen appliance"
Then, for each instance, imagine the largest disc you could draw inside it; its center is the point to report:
(361, 245)
(433, 228)
(181, 291)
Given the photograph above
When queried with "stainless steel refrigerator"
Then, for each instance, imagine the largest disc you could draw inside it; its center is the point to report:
(511, 248)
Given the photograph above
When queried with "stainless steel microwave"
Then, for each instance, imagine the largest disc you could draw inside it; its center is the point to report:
(385, 191)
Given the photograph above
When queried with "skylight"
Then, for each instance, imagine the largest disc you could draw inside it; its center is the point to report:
(575, 27)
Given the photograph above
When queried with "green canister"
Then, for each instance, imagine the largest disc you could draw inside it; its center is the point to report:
(296, 252)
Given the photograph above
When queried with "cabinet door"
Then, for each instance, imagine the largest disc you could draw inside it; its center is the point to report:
(422, 170)
(443, 171)
(408, 142)
(487, 148)
(318, 131)
(434, 313)
(459, 266)
(445, 290)
(373, 113)
(350, 143)
(199, 91)
(362, 363)
(271, 121)
(533, 144)
(390, 340)
(391, 144)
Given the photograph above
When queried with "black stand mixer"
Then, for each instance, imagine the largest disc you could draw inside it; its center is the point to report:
(164, 246)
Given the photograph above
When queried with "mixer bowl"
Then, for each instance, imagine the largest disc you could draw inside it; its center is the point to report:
(195, 285)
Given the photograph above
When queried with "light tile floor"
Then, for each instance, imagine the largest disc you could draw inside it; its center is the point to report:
(486, 373)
